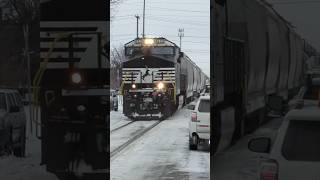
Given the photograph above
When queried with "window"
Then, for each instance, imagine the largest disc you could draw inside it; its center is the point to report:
(301, 142)
(18, 99)
(3, 103)
(312, 93)
(11, 101)
(131, 51)
(162, 50)
(204, 105)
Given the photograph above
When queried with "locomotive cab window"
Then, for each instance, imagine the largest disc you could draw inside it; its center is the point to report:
(131, 51)
(162, 50)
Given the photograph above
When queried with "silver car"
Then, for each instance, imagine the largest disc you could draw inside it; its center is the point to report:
(12, 123)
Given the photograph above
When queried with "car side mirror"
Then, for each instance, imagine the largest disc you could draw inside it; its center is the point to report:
(260, 145)
(14, 109)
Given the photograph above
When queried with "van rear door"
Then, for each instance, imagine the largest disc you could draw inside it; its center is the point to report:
(203, 116)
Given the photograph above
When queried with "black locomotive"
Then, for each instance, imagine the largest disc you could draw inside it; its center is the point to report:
(157, 78)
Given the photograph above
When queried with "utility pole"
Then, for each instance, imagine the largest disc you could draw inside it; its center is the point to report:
(138, 17)
(181, 34)
(144, 16)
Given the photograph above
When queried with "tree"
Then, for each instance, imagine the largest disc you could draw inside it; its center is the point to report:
(24, 13)
(117, 56)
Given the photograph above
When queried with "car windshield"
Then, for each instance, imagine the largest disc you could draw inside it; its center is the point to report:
(312, 93)
(207, 90)
(204, 105)
(2, 102)
(301, 142)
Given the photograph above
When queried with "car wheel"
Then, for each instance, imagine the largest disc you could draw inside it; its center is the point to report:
(193, 143)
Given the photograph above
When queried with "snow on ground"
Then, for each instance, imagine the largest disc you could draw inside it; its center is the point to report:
(163, 153)
(238, 162)
(27, 168)
(117, 119)
(124, 134)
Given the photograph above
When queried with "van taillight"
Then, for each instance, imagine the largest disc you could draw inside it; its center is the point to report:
(194, 117)
(269, 170)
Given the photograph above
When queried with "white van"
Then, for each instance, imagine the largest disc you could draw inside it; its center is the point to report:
(199, 124)
(12, 123)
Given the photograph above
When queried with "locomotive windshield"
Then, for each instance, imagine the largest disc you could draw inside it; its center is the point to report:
(131, 51)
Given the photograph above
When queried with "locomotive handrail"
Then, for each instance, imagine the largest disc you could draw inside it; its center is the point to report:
(37, 80)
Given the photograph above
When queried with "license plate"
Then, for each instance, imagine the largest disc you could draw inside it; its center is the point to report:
(147, 99)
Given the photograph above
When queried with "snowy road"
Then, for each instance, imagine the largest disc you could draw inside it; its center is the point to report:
(238, 162)
(27, 168)
(161, 153)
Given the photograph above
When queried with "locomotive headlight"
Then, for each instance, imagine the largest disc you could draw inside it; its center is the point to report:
(81, 108)
(76, 78)
(148, 42)
(134, 86)
(160, 85)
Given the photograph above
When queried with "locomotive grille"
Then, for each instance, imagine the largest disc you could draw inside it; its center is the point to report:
(151, 75)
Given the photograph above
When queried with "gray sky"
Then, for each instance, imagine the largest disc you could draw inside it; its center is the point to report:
(163, 19)
(305, 16)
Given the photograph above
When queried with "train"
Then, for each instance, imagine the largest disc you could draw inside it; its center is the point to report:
(258, 66)
(158, 78)
(71, 87)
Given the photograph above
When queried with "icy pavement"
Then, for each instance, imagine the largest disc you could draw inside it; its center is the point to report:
(163, 153)
(27, 168)
(238, 162)
(124, 134)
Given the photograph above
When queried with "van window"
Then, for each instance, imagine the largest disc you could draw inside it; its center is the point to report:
(204, 105)
(3, 101)
(11, 100)
(301, 142)
(18, 99)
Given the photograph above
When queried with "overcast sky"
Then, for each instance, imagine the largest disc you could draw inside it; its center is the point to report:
(304, 14)
(163, 19)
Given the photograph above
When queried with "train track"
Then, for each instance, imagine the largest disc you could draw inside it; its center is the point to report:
(122, 126)
(117, 150)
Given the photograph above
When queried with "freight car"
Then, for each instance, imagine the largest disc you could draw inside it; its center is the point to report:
(258, 66)
(157, 78)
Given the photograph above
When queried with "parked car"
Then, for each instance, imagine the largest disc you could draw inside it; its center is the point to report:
(199, 125)
(206, 91)
(113, 100)
(12, 123)
(295, 154)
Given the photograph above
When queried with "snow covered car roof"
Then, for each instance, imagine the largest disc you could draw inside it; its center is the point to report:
(8, 90)
(205, 97)
(312, 114)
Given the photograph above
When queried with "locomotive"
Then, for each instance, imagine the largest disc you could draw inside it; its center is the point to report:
(72, 88)
(258, 66)
(157, 78)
